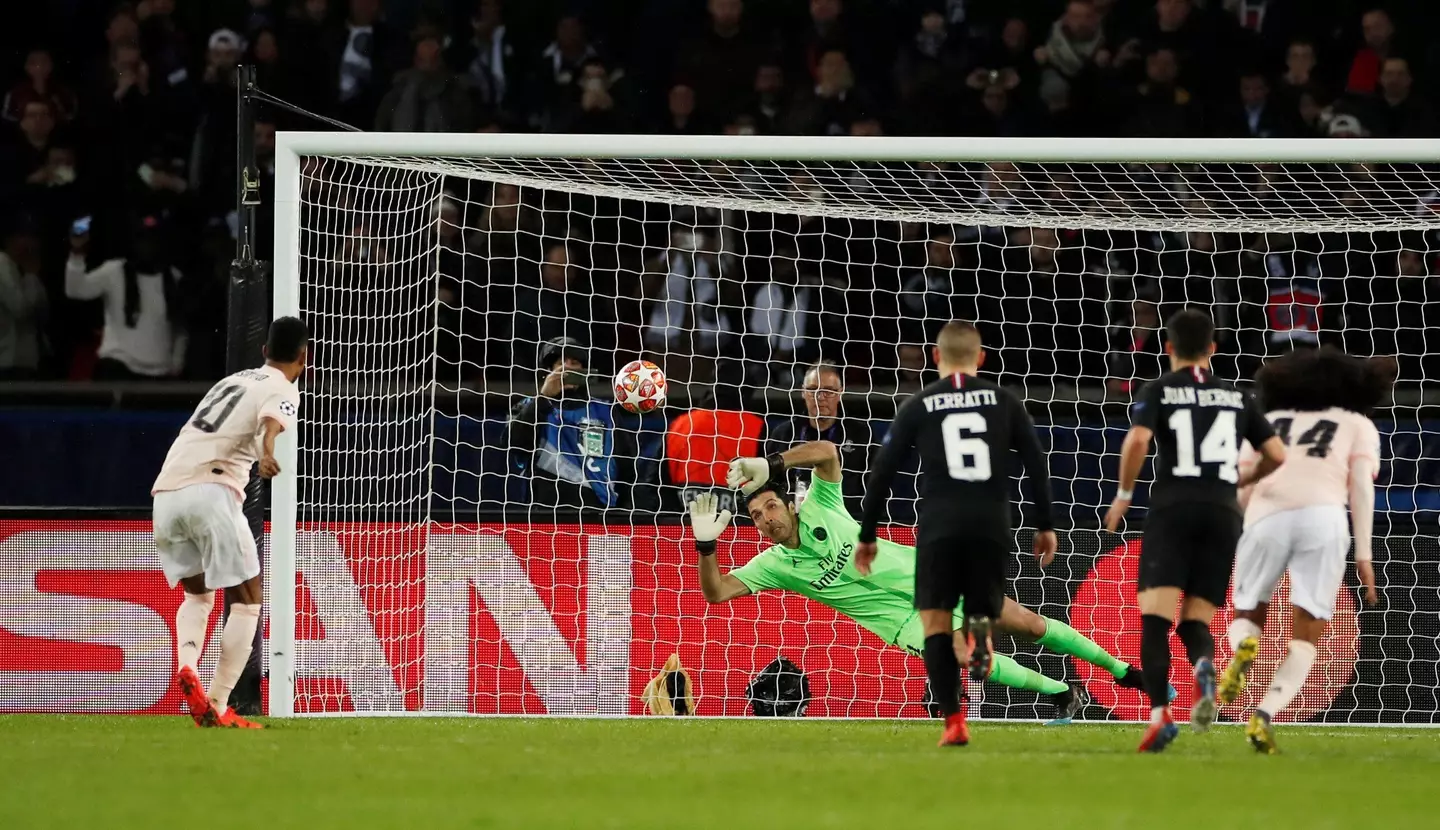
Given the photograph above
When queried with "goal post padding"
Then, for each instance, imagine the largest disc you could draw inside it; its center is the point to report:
(429, 579)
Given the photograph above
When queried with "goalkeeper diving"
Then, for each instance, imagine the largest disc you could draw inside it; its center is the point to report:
(812, 556)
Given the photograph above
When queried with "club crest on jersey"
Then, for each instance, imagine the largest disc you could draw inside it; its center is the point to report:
(820, 534)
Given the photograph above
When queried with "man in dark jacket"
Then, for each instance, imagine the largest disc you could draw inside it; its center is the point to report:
(822, 387)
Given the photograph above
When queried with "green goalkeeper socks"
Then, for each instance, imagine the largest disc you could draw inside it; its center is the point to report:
(1063, 639)
(1005, 671)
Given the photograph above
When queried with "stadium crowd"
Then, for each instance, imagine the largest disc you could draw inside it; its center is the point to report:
(125, 113)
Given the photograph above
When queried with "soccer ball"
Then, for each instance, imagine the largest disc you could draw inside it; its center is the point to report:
(640, 387)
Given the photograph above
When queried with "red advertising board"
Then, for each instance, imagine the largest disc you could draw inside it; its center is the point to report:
(516, 619)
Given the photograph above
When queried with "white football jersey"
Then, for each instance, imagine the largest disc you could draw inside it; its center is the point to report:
(1320, 449)
(221, 441)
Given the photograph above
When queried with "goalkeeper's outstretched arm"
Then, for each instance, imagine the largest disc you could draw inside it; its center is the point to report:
(707, 522)
(750, 474)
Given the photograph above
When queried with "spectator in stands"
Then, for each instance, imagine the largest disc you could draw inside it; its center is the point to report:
(561, 303)
(1396, 111)
(40, 85)
(161, 38)
(1159, 106)
(141, 301)
(1196, 40)
(560, 64)
(1069, 52)
(312, 52)
(1379, 43)
(427, 97)
(692, 315)
(487, 58)
(938, 292)
(568, 442)
(29, 163)
(701, 443)
(1300, 65)
(262, 14)
(24, 308)
(1136, 352)
(599, 102)
(822, 390)
(828, 107)
(828, 29)
(1257, 116)
(680, 115)
(994, 112)
(767, 105)
(362, 56)
(925, 74)
(721, 61)
(1013, 51)
(788, 318)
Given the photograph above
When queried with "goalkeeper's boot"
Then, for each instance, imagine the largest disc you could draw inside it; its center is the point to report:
(1068, 704)
(1262, 734)
(981, 646)
(1205, 710)
(194, 693)
(1235, 678)
(230, 720)
(1160, 734)
(957, 732)
(1134, 678)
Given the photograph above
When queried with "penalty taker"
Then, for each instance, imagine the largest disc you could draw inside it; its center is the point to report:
(812, 554)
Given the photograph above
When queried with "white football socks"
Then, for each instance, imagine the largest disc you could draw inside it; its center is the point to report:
(191, 620)
(1288, 678)
(235, 644)
(1239, 629)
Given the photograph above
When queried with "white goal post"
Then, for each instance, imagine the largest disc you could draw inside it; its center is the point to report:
(431, 582)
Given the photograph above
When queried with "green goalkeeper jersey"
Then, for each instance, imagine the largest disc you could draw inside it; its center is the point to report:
(883, 603)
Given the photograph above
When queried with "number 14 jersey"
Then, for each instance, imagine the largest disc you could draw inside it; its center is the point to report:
(1199, 422)
(220, 442)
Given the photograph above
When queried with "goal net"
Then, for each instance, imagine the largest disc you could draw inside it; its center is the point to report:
(458, 548)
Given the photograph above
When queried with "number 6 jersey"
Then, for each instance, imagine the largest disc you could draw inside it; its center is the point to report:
(221, 440)
(1323, 447)
(1198, 421)
(965, 429)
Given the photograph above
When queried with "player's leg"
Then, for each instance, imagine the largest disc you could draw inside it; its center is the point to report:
(183, 565)
(1215, 533)
(1316, 571)
(936, 595)
(983, 592)
(1023, 624)
(1260, 559)
(231, 560)
(1163, 570)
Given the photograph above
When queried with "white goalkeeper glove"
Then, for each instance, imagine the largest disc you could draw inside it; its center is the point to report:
(707, 521)
(748, 474)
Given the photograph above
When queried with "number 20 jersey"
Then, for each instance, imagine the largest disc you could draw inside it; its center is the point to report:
(220, 442)
(1199, 422)
(1321, 450)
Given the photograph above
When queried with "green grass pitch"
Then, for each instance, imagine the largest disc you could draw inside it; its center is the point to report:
(683, 774)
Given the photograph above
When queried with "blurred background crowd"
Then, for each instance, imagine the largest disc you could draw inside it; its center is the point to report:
(123, 114)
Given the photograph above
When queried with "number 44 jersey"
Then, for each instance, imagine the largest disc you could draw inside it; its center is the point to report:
(221, 440)
(1199, 422)
(1322, 450)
